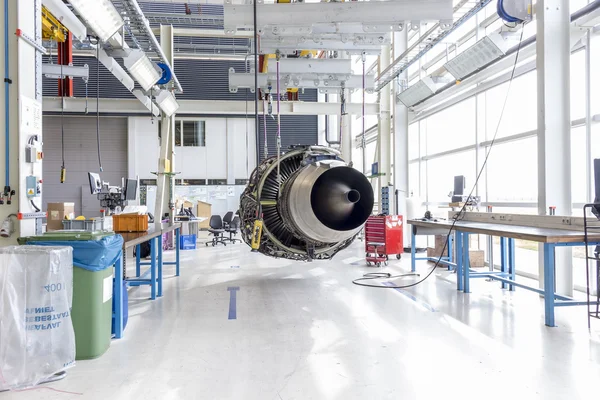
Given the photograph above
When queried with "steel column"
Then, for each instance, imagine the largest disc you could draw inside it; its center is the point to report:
(554, 124)
(385, 127)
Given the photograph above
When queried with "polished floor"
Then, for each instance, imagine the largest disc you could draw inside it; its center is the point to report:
(304, 331)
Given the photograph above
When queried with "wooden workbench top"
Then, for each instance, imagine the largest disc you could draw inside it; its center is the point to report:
(532, 233)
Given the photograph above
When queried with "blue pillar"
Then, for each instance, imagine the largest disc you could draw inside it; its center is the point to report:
(177, 236)
(118, 293)
(467, 263)
(503, 261)
(160, 264)
(459, 261)
(138, 259)
(549, 283)
(511, 262)
(153, 268)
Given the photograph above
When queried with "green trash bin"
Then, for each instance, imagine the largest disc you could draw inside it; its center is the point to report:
(92, 293)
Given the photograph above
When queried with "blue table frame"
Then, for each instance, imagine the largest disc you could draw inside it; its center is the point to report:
(443, 260)
(118, 294)
(156, 263)
(507, 273)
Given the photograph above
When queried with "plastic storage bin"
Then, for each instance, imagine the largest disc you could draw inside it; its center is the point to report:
(91, 225)
(187, 242)
(94, 254)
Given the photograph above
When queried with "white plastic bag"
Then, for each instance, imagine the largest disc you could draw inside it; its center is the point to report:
(36, 333)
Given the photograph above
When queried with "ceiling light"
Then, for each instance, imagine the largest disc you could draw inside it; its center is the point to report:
(167, 103)
(100, 15)
(418, 92)
(488, 49)
(66, 17)
(142, 69)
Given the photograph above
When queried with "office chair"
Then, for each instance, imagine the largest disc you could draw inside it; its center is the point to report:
(227, 218)
(232, 229)
(216, 228)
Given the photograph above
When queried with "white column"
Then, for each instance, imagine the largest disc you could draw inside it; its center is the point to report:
(346, 124)
(401, 137)
(230, 136)
(385, 127)
(554, 125)
(24, 114)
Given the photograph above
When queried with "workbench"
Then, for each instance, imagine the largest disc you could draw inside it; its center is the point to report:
(508, 231)
(154, 236)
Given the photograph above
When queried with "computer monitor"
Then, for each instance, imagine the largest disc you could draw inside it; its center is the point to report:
(95, 182)
(596, 207)
(459, 185)
(130, 189)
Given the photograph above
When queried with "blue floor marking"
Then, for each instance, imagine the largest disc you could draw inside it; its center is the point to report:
(232, 301)
(413, 298)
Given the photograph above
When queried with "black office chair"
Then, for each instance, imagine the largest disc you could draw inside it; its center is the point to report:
(232, 229)
(227, 218)
(216, 228)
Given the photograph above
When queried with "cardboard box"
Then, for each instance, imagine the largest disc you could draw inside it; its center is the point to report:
(204, 210)
(57, 212)
(476, 257)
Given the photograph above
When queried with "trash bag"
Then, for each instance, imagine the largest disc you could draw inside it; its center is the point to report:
(93, 255)
(37, 339)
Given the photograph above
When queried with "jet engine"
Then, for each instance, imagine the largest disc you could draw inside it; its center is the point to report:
(306, 204)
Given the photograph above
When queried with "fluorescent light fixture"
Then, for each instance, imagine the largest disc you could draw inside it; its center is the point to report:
(100, 15)
(167, 103)
(418, 92)
(142, 69)
(483, 52)
(66, 17)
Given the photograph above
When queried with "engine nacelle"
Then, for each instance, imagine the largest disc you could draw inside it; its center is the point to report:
(315, 209)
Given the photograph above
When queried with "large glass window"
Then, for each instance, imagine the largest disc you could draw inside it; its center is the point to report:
(512, 171)
(578, 165)
(452, 128)
(578, 85)
(413, 141)
(441, 173)
(520, 113)
(194, 134)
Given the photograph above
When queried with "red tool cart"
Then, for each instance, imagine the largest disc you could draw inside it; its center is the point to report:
(383, 237)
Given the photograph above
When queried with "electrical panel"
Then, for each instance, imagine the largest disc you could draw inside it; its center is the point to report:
(385, 200)
(33, 151)
(33, 186)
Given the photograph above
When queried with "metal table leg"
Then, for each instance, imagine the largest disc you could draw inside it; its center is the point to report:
(160, 264)
(503, 261)
(138, 259)
(459, 261)
(177, 236)
(511, 262)
(153, 268)
(549, 282)
(450, 240)
(413, 251)
(466, 263)
(118, 293)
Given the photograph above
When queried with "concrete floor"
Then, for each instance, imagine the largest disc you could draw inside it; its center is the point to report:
(304, 331)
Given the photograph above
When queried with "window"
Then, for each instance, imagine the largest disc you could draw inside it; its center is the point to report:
(177, 133)
(520, 114)
(413, 141)
(452, 128)
(509, 179)
(442, 170)
(578, 166)
(193, 134)
(578, 85)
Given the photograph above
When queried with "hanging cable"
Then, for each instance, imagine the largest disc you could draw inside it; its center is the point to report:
(364, 142)
(63, 170)
(265, 147)
(459, 216)
(98, 101)
(278, 55)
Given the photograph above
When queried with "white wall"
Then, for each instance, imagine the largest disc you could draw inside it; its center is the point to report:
(224, 156)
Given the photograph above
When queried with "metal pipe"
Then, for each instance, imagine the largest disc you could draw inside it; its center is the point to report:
(155, 43)
(6, 99)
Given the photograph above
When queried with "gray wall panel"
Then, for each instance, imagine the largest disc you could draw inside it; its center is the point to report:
(81, 157)
(295, 129)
